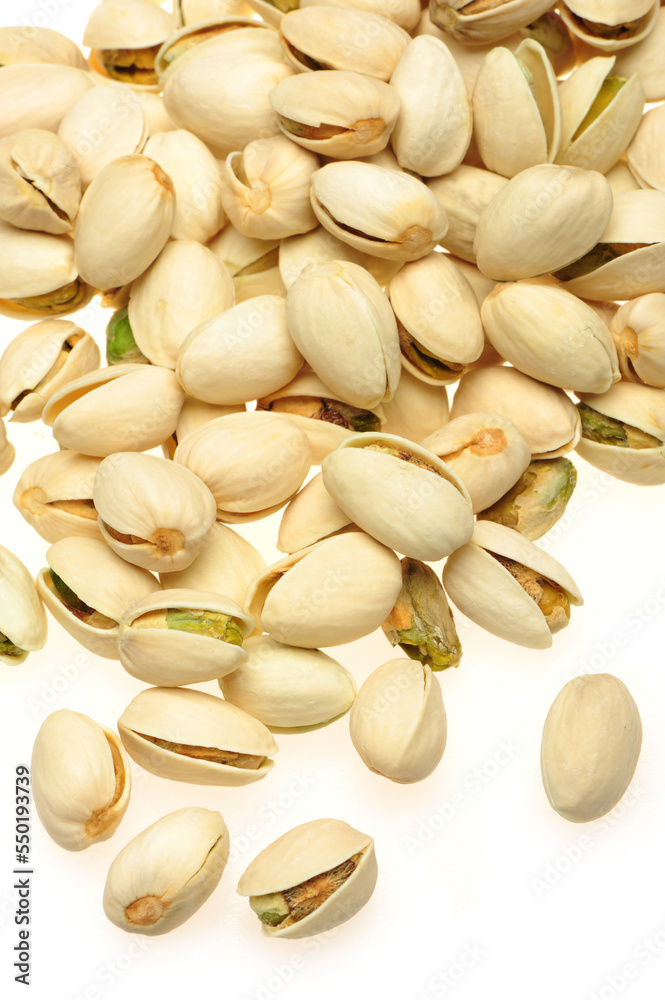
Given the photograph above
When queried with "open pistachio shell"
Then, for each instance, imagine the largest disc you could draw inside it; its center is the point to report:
(228, 31)
(40, 185)
(645, 153)
(400, 493)
(311, 879)
(333, 592)
(645, 59)
(507, 585)
(125, 36)
(610, 26)
(38, 277)
(90, 605)
(22, 618)
(310, 517)
(478, 22)
(38, 45)
(34, 95)
(54, 495)
(81, 779)
(463, 194)
(187, 735)
(638, 329)
(162, 876)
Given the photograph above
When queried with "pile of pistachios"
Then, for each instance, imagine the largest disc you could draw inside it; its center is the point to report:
(310, 219)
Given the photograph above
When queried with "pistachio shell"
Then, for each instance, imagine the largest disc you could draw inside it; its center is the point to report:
(38, 276)
(198, 722)
(590, 747)
(610, 26)
(194, 414)
(315, 247)
(398, 721)
(127, 24)
(217, 36)
(463, 194)
(38, 45)
(645, 59)
(310, 517)
(34, 95)
(406, 13)
(22, 616)
(621, 179)
(481, 23)
(194, 11)
(638, 329)
(40, 186)
(417, 409)
(81, 779)
(253, 263)
(7, 450)
(309, 850)
(645, 153)
(54, 495)
(162, 876)
(156, 116)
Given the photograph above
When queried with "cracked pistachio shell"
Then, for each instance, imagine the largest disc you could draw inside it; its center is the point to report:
(38, 276)
(152, 512)
(544, 218)
(600, 113)
(226, 564)
(38, 95)
(104, 594)
(105, 124)
(252, 263)
(315, 247)
(400, 493)
(545, 417)
(171, 654)
(610, 26)
(417, 409)
(385, 213)
(162, 876)
(333, 592)
(40, 185)
(131, 202)
(325, 420)
(342, 38)
(398, 721)
(646, 59)
(199, 213)
(434, 127)
(551, 335)
(309, 850)
(116, 28)
(7, 450)
(336, 113)
(118, 408)
(22, 616)
(638, 329)
(463, 194)
(439, 321)
(29, 44)
(224, 99)
(638, 406)
(310, 517)
(636, 232)
(487, 593)
(322, 305)
(265, 188)
(481, 22)
(590, 747)
(486, 451)
(516, 111)
(54, 495)
(202, 728)
(646, 152)
(288, 688)
(81, 779)
(217, 36)
(253, 463)
(38, 362)
(185, 287)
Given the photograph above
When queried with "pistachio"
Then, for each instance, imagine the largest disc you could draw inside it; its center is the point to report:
(537, 500)
(194, 11)
(22, 619)
(610, 26)
(38, 277)
(416, 409)
(406, 13)
(463, 194)
(645, 152)
(7, 450)
(162, 876)
(34, 95)
(478, 22)
(194, 414)
(252, 263)
(38, 45)
(40, 186)
(81, 779)
(638, 329)
(125, 36)
(121, 346)
(644, 59)
(318, 246)
(223, 34)
(310, 517)
(590, 747)
(54, 495)
(421, 622)
(311, 879)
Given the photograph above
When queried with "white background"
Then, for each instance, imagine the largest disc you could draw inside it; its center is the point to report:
(483, 891)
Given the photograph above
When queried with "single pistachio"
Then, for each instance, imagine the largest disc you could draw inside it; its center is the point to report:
(600, 114)
(186, 735)
(645, 153)
(23, 625)
(610, 26)
(507, 585)
(629, 257)
(193, 415)
(638, 329)
(311, 879)
(398, 721)
(34, 95)
(54, 495)
(287, 688)
(545, 417)
(252, 263)
(81, 779)
(38, 45)
(310, 517)
(544, 216)
(144, 402)
(89, 605)
(537, 500)
(40, 185)
(38, 276)
(124, 37)
(591, 744)
(217, 36)
(7, 450)
(175, 637)
(400, 493)
(359, 577)
(152, 512)
(322, 305)
(480, 22)
(623, 432)
(318, 246)
(417, 408)
(162, 876)
(421, 622)
(336, 113)
(385, 213)
(463, 194)
(121, 346)
(644, 58)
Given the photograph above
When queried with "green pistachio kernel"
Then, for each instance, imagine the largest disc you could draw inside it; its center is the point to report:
(537, 500)
(421, 622)
(8, 648)
(78, 607)
(121, 348)
(276, 908)
(606, 430)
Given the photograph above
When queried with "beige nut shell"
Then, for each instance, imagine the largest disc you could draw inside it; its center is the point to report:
(62, 476)
(22, 615)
